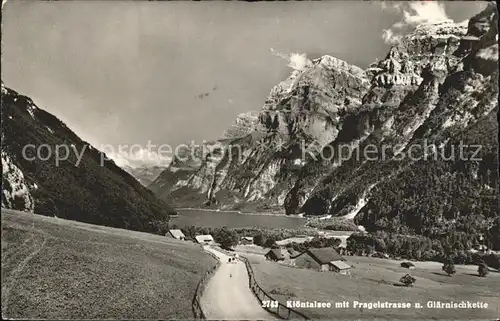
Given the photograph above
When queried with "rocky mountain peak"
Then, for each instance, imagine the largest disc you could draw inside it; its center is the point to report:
(307, 103)
(429, 48)
(334, 63)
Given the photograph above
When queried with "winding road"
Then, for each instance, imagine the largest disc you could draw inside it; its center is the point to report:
(228, 295)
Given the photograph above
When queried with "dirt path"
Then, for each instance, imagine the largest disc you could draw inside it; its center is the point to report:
(228, 295)
(9, 282)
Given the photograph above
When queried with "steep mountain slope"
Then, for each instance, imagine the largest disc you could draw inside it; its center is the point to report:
(438, 87)
(83, 185)
(432, 191)
(144, 174)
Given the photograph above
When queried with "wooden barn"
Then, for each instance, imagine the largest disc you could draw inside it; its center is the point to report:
(205, 239)
(276, 255)
(318, 259)
(340, 267)
(246, 240)
(176, 234)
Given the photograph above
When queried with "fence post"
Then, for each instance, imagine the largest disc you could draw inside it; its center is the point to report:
(257, 290)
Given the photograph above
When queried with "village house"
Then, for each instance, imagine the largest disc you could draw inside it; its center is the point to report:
(246, 240)
(176, 234)
(291, 255)
(318, 259)
(276, 255)
(340, 267)
(205, 239)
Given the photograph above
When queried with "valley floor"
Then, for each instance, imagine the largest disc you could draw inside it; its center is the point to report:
(375, 280)
(59, 269)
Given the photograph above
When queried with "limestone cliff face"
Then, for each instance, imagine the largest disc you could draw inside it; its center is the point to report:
(438, 86)
(308, 104)
(429, 48)
(455, 103)
(257, 167)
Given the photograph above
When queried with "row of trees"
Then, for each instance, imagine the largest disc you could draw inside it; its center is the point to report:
(317, 242)
(333, 224)
(450, 249)
(449, 268)
(230, 237)
(454, 245)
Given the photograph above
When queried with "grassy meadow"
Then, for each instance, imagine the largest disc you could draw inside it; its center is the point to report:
(59, 269)
(375, 280)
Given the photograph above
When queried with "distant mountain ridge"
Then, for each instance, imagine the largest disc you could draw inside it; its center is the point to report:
(86, 191)
(439, 85)
(144, 174)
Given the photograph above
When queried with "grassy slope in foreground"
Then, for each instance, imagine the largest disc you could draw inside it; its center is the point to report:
(57, 269)
(373, 280)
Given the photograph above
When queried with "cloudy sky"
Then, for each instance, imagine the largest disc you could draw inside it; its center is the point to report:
(123, 72)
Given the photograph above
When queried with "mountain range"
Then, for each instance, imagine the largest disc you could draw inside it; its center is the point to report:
(305, 150)
(144, 174)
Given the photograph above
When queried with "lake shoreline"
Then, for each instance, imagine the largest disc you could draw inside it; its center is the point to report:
(236, 219)
(238, 212)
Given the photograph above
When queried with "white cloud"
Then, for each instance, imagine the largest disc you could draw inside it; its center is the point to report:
(412, 14)
(296, 61)
(425, 12)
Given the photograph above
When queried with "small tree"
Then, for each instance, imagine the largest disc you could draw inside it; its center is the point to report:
(227, 238)
(449, 268)
(483, 269)
(259, 239)
(407, 280)
(270, 242)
